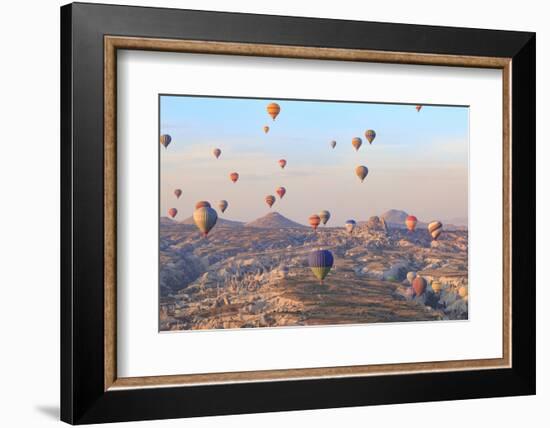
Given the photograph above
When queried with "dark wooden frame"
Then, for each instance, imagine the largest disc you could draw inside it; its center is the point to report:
(87, 395)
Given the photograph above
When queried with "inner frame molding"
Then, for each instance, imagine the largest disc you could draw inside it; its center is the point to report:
(114, 43)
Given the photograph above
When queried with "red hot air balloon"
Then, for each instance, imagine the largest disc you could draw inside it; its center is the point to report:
(314, 221)
(178, 193)
(217, 153)
(172, 212)
(234, 177)
(410, 222)
(418, 108)
(280, 191)
(202, 204)
(419, 285)
(270, 200)
(282, 163)
(273, 109)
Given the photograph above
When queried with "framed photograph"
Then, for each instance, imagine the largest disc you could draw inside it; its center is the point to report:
(265, 213)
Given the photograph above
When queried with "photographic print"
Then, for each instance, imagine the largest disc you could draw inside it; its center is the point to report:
(289, 213)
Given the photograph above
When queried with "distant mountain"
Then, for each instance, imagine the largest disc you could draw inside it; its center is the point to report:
(273, 220)
(220, 222)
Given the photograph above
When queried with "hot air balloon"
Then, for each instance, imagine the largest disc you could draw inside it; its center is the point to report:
(202, 204)
(270, 200)
(314, 221)
(419, 285)
(411, 276)
(324, 216)
(172, 212)
(320, 262)
(370, 135)
(435, 228)
(356, 142)
(222, 205)
(217, 153)
(333, 144)
(178, 193)
(280, 191)
(410, 222)
(350, 225)
(282, 163)
(266, 129)
(361, 172)
(418, 108)
(234, 177)
(205, 218)
(165, 139)
(436, 286)
(273, 109)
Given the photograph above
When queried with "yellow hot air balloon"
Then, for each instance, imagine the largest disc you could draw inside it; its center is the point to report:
(205, 219)
(361, 171)
(435, 228)
(356, 142)
(436, 286)
(273, 109)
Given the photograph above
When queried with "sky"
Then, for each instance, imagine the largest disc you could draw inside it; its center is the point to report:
(417, 163)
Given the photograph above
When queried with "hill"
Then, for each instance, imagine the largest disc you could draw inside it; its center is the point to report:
(274, 220)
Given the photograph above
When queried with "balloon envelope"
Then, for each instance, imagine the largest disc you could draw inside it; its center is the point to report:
(266, 129)
(410, 222)
(324, 216)
(314, 221)
(172, 212)
(333, 144)
(350, 225)
(202, 204)
(205, 218)
(356, 143)
(320, 262)
(178, 193)
(435, 228)
(217, 153)
(234, 177)
(165, 139)
(282, 163)
(222, 205)
(270, 200)
(419, 285)
(273, 109)
(418, 108)
(370, 135)
(361, 171)
(280, 191)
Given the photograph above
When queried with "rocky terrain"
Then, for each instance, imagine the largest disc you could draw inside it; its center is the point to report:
(256, 275)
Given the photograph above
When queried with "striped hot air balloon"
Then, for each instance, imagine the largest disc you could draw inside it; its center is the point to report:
(419, 285)
(435, 228)
(217, 152)
(273, 109)
(370, 135)
(282, 163)
(333, 144)
(350, 225)
(266, 129)
(280, 191)
(205, 219)
(361, 171)
(314, 221)
(172, 212)
(356, 142)
(410, 222)
(178, 193)
(234, 177)
(222, 205)
(202, 204)
(324, 216)
(320, 262)
(165, 139)
(270, 200)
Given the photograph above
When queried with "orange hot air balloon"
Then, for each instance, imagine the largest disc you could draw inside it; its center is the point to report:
(178, 193)
(280, 191)
(419, 285)
(282, 163)
(314, 221)
(217, 153)
(172, 212)
(418, 108)
(356, 142)
(266, 129)
(234, 177)
(370, 135)
(410, 222)
(361, 171)
(273, 109)
(270, 200)
(202, 204)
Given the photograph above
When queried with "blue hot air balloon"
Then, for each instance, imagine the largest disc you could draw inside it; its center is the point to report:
(320, 263)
